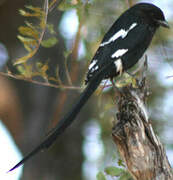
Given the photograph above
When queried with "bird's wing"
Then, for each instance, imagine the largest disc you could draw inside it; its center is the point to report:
(122, 44)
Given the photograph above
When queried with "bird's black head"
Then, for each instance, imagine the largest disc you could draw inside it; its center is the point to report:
(150, 14)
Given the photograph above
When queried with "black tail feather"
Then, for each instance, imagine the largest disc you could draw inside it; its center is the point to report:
(32, 153)
(67, 119)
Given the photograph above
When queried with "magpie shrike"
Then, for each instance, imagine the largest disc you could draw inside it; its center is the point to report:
(121, 48)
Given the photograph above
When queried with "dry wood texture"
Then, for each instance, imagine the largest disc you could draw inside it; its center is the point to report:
(136, 141)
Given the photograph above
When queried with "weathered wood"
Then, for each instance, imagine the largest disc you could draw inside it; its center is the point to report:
(136, 141)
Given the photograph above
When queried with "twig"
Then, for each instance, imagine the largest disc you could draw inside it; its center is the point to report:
(46, 9)
(53, 4)
(20, 77)
(67, 73)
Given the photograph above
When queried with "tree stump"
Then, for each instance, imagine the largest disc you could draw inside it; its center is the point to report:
(135, 139)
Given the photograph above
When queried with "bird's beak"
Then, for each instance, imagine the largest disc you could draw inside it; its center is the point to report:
(163, 23)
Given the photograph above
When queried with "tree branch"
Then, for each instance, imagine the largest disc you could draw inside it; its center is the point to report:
(136, 141)
(20, 77)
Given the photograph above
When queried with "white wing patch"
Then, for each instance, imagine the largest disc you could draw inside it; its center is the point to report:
(121, 33)
(92, 64)
(119, 66)
(119, 53)
(94, 69)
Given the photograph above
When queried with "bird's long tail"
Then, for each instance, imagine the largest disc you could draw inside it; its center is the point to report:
(67, 119)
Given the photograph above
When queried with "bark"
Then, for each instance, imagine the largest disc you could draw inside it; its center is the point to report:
(135, 139)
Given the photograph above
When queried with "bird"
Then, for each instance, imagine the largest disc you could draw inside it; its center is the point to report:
(121, 48)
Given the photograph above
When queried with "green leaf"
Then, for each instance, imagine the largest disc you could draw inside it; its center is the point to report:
(39, 65)
(36, 13)
(25, 71)
(35, 9)
(114, 171)
(51, 28)
(24, 59)
(68, 4)
(29, 24)
(121, 163)
(21, 69)
(100, 176)
(28, 31)
(67, 53)
(28, 43)
(49, 42)
(22, 12)
(125, 176)
(25, 39)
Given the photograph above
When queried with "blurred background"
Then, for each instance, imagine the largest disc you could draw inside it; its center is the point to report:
(28, 111)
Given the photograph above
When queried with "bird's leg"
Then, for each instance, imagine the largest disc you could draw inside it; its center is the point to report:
(114, 86)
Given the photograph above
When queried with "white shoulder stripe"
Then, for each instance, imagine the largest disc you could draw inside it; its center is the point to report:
(119, 53)
(132, 26)
(121, 33)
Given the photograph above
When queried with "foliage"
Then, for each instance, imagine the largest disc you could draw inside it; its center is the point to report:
(32, 37)
(113, 171)
(101, 176)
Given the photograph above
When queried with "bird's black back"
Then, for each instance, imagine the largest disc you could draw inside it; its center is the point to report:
(136, 41)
